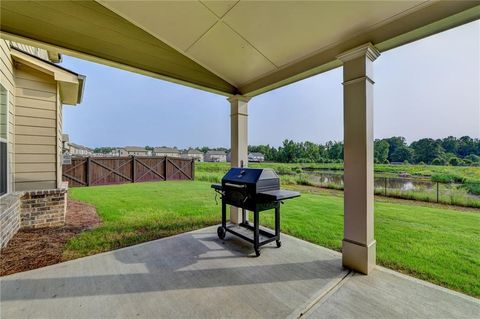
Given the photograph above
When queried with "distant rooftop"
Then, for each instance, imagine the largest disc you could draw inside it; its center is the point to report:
(192, 151)
(134, 149)
(80, 147)
(216, 153)
(165, 150)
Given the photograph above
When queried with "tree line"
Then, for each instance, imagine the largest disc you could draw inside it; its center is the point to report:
(463, 151)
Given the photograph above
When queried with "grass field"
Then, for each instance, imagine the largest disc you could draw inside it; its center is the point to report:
(450, 194)
(431, 242)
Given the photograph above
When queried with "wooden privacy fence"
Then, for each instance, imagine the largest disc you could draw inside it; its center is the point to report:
(91, 171)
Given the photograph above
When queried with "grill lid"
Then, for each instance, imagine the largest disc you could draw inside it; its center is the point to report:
(249, 175)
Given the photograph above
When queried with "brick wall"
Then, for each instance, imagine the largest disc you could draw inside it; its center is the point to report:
(9, 217)
(43, 208)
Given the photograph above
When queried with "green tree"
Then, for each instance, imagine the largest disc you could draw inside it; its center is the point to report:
(427, 149)
(394, 143)
(450, 144)
(467, 146)
(334, 150)
(402, 154)
(380, 150)
(455, 161)
(103, 150)
(289, 152)
(314, 152)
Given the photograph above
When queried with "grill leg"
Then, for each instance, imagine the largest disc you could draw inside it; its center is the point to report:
(222, 230)
(244, 216)
(256, 234)
(277, 225)
(224, 214)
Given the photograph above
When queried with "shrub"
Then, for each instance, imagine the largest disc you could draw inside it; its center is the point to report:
(447, 178)
(472, 188)
(438, 161)
(283, 170)
(472, 158)
(455, 161)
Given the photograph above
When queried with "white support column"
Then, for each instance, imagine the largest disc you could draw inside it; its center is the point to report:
(239, 140)
(359, 246)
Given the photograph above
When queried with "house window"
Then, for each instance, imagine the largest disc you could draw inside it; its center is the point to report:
(3, 141)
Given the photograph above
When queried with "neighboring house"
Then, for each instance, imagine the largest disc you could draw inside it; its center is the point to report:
(79, 150)
(136, 150)
(193, 154)
(215, 156)
(166, 151)
(65, 141)
(119, 152)
(256, 157)
(74, 149)
(32, 91)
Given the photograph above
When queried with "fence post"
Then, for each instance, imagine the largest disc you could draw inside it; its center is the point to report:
(88, 170)
(437, 193)
(193, 169)
(133, 168)
(385, 185)
(165, 168)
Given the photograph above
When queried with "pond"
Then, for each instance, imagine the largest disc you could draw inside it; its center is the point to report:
(328, 177)
(410, 188)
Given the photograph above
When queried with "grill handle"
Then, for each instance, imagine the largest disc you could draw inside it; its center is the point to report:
(235, 185)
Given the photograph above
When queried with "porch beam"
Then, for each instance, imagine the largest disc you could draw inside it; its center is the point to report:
(238, 140)
(359, 246)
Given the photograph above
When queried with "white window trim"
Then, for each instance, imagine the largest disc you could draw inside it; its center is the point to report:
(5, 140)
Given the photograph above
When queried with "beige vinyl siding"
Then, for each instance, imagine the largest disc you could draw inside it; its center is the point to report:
(36, 130)
(7, 79)
(35, 158)
(59, 136)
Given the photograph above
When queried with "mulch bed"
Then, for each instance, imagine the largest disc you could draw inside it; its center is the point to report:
(35, 248)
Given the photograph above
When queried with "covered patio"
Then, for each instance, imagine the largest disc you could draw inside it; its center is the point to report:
(239, 49)
(194, 275)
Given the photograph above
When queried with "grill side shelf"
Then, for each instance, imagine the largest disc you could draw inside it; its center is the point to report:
(278, 195)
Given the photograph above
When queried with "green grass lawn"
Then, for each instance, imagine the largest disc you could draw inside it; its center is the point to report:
(431, 242)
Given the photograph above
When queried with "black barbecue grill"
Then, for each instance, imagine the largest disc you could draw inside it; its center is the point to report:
(255, 190)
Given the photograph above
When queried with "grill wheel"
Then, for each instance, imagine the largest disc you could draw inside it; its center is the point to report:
(221, 232)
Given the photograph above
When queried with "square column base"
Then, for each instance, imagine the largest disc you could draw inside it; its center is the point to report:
(358, 257)
(235, 215)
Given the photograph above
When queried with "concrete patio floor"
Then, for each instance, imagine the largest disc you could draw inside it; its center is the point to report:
(195, 275)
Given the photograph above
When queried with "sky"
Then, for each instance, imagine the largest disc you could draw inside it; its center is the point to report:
(428, 88)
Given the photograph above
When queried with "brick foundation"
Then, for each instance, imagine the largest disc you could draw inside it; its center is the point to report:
(9, 217)
(43, 208)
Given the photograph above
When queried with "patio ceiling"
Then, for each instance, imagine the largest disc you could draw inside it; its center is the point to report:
(228, 47)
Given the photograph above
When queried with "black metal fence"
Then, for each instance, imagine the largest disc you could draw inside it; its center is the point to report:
(410, 188)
